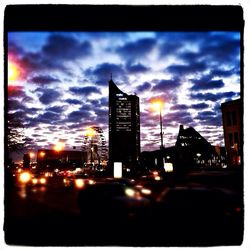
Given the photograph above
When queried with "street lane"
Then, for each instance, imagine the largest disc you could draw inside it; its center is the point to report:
(49, 215)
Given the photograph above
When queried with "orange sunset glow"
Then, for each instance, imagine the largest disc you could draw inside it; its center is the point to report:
(13, 72)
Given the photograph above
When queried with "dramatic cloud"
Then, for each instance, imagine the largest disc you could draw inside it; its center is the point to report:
(179, 107)
(44, 79)
(166, 85)
(199, 106)
(60, 47)
(186, 69)
(85, 90)
(73, 101)
(136, 50)
(49, 117)
(14, 105)
(102, 73)
(136, 68)
(49, 96)
(205, 84)
(62, 86)
(56, 109)
(78, 116)
(145, 86)
(213, 97)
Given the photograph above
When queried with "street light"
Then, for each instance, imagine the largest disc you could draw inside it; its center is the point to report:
(157, 105)
(42, 154)
(90, 132)
(32, 155)
(59, 146)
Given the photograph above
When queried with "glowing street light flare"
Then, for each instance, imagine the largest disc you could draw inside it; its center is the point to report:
(32, 155)
(59, 146)
(42, 154)
(157, 105)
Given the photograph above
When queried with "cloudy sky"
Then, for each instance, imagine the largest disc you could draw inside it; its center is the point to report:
(60, 82)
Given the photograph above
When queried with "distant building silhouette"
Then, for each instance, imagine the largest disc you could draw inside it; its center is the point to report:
(124, 127)
(232, 118)
(26, 160)
(191, 151)
(48, 159)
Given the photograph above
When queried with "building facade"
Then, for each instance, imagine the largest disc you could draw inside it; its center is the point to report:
(232, 118)
(124, 127)
(191, 152)
(50, 159)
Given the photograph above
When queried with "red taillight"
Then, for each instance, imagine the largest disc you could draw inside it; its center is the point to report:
(237, 209)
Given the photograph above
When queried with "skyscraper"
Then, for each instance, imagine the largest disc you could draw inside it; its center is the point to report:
(124, 127)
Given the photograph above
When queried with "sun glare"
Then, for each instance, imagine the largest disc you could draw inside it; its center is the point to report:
(12, 72)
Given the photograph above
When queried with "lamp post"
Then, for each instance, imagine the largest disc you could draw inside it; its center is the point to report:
(32, 155)
(157, 105)
(59, 146)
(161, 128)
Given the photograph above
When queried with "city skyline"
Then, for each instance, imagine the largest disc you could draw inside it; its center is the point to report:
(60, 87)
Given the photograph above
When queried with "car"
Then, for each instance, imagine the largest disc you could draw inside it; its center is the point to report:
(146, 192)
(37, 180)
(78, 181)
(197, 214)
(31, 179)
(111, 202)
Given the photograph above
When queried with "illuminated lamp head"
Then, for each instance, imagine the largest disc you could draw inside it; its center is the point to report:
(59, 146)
(157, 104)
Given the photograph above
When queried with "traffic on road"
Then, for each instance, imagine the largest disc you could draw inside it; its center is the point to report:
(75, 208)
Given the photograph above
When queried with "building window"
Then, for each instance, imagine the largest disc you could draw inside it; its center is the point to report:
(231, 118)
(230, 138)
(229, 123)
(236, 137)
(234, 119)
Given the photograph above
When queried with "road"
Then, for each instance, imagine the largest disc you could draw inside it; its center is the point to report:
(49, 216)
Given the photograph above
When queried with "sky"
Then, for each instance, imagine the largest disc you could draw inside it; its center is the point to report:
(59, 85)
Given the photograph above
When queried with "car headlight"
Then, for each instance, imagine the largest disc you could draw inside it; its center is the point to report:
(146, 191)
(91, 182)
(79, 183)
(34, 181)
(42, 180)
(130, 192)
(157, 178)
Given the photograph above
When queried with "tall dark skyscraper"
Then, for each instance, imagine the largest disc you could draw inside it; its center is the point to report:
(124, 127)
